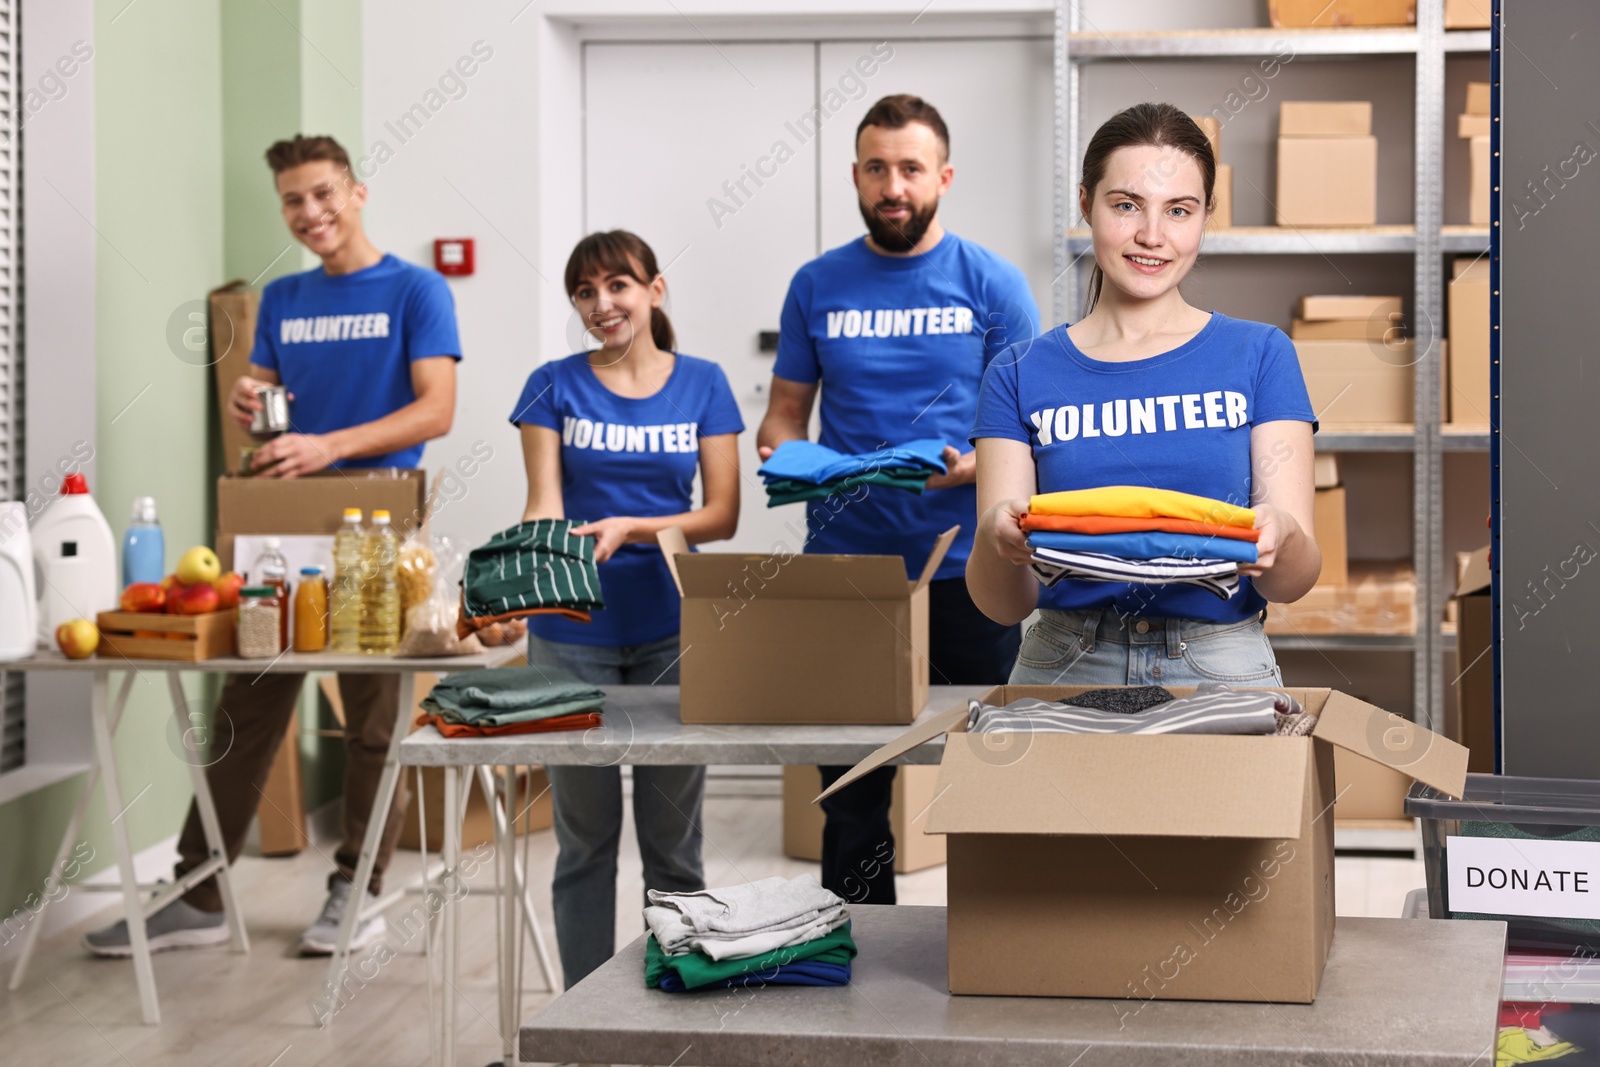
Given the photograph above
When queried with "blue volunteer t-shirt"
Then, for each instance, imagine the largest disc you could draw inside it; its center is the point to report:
(343, 344)
(899, 345)
(625, 456)
(1180, 420)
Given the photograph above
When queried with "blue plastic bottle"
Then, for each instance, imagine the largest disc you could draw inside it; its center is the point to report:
(144, 552)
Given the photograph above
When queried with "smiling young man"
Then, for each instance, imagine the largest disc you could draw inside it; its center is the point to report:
(366, 345)
(894, 330)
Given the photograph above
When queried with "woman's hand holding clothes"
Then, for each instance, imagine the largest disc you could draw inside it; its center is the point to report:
(1000, 529)
(609, 535)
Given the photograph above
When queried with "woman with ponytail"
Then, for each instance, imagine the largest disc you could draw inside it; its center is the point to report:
(612, 437)
(1146, 390)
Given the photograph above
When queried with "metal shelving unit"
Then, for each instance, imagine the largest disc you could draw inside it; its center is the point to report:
(1427, 240)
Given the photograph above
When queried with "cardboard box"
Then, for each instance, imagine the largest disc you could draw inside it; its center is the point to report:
(1331, 535)
(1213, 130)
(1474, 682)
(1327, 181)
(1323, 13)
(477, 822)
(1469, 343)
(281, 815)
(1354, 382)
(231, 328)
(1477, 97)
(1325, 118)
(1381, 329)
(1222, 215)
(1481, 192)
(914, 789)
(1470, 126)
(1466, 14)
(1325, 470)
(1144, 866)
(1367, 790)
(1379, 598)
(757, 622)
(1349, 309)
(315, 504)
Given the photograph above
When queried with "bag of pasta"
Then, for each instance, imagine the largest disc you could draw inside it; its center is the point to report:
(429, 603)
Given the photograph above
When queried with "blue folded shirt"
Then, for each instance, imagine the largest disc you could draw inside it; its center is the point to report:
(807, 461)
(1147, 544)
(802, 972)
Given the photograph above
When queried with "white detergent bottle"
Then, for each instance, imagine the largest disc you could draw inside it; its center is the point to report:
(77, 557)
(19, 600)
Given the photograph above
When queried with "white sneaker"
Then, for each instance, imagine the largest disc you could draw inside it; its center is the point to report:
(322, 936)
(178, 925)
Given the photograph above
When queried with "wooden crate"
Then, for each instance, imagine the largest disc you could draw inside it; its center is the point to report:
(189, 638)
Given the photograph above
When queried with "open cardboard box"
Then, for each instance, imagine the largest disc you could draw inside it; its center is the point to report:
(752, 624)
(1150, 866)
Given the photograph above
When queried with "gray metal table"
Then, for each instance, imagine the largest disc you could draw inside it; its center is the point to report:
(1396, 993)
(106, 715)
(641, 728)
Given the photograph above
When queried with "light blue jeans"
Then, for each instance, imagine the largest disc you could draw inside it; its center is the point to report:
(587, 802)
(1107, 648)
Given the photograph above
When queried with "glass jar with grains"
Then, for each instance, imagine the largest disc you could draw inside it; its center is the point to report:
(259, 614)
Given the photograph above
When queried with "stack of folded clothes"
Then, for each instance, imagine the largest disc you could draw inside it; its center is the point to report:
(1213, 709)
(773, 932)
(511, 700)
(532, 568)
(1126, 533)
(805, 470)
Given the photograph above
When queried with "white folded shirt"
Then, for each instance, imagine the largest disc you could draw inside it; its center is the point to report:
(744, 920)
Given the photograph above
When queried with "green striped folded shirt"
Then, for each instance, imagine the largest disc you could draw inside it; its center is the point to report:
(532, 565)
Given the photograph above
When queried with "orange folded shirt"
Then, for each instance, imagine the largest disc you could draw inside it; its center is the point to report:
(579, 720)
(466, 625)
(1106, 524)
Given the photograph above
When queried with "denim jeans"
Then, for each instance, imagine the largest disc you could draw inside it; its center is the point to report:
(1105, 648)
(587, 803)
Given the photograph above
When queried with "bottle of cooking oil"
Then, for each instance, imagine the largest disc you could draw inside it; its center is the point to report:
(344, 623)
(380, 587)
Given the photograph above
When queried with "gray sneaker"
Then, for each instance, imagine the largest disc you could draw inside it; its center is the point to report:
(322, 936)
(178, 925)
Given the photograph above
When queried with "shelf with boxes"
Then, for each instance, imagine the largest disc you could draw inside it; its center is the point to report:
(1263, 41)
(1316, 240)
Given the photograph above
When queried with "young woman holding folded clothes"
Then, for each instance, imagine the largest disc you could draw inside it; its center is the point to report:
(1145, 392)
(612, 439)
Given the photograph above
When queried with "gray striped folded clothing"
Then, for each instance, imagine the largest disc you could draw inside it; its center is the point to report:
(1213, 709)
(531, 566)
(1217, 576)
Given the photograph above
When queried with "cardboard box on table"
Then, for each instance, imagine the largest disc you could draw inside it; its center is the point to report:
(1469, 343)
(1357, 382)
(1327, 164)
(1144, 866)
(914, 789)
(783, 638)
(1473, 705)
(1330, 13)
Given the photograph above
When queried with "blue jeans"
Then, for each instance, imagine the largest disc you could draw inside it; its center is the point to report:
(587, 802)
(1105, 648)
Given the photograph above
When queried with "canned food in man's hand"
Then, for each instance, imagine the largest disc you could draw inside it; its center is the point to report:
(273, 415)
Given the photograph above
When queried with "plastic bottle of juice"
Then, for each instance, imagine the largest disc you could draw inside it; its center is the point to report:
(344, 618)
(311, 611)
(380, 587)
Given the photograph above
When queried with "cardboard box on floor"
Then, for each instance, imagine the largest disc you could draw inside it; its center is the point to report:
(756, 623)
(1469, 343)
(1145, 866)
(1323, 13)
(314, 504)
(231, 328)
(1356, 382)
(914, 789)
(1474, 687)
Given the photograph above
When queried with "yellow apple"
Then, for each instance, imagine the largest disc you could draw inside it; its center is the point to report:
(78, 638)
(197, 565)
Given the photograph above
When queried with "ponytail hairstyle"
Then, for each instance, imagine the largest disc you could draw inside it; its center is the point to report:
(1158, 125)
(620, 252)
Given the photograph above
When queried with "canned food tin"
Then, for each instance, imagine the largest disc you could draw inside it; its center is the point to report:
(274, 414)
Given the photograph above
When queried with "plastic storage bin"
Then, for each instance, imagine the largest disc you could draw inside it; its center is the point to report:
(1514, 809)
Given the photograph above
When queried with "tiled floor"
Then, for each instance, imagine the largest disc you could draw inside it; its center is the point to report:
(254, 1011)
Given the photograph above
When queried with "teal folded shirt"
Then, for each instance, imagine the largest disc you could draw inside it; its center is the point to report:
(503, 695)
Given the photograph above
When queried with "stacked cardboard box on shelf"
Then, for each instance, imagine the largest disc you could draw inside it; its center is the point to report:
(1330, 13)
(1379, 598)
(1222, 216)
(1472, 125)
(1469, 343)
(1356, 369)
(1330, 522)
(1327, 164)
(1466, 14)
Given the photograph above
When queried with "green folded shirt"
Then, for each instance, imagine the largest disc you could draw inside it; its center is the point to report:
(697, 969)
(538, 564)
(790, 490)
(503, 695)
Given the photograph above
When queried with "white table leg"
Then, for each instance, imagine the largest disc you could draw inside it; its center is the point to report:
(451, 914)
(523, 889)
(511, 892)
(68, 840)
(208, 821)
(106, 756)
(369, 847)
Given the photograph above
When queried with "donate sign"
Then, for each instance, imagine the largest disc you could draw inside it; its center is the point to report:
(1502, 876)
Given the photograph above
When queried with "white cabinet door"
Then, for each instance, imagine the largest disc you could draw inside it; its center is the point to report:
(996, 98)
(700, 149)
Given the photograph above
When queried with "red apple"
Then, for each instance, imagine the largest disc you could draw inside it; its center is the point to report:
(227, 588)
(197, 599)
(143, 596)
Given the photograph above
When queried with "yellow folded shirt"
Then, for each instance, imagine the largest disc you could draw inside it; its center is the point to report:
(1137, 502)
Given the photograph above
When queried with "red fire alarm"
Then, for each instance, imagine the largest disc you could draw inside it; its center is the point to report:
(453, 255)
